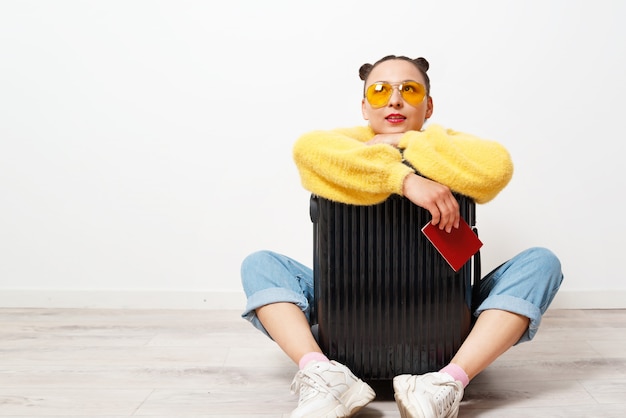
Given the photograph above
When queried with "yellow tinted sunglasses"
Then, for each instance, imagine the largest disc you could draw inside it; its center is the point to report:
(379, 93)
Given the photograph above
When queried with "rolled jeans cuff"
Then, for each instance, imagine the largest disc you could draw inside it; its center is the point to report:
(272, 295)
(515, 305)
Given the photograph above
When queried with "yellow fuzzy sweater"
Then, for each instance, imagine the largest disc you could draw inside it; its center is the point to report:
(339, 166)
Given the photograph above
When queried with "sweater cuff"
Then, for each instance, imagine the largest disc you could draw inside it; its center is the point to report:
(404, 139)
(397, 176)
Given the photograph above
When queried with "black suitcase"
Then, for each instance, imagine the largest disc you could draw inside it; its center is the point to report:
(387, 303)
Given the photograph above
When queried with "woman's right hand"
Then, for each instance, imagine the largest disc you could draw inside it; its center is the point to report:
(435, 198)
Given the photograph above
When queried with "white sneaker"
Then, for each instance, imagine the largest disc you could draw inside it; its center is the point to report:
(432, 395)
(329, 390)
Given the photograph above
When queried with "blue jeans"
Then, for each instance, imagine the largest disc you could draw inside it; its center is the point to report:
(525, 285)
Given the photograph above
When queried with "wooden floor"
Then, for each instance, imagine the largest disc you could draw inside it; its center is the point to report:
(202, 363)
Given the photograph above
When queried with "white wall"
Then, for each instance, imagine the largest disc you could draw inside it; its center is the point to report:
(145, 146)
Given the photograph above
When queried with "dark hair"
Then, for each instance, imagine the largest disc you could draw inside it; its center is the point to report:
(420, 63)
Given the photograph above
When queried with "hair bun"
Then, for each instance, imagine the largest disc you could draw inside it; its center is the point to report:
(364, 71)
(422, 63)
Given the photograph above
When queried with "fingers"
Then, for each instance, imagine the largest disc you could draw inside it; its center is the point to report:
(445, 213)
(435, 213)
(435, 198)
(449, 213)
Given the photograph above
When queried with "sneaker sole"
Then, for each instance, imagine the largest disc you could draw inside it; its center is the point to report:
(401, 388)
(411, 406)
(359, 395)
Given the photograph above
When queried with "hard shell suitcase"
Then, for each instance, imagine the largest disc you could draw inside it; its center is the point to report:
(387, 303)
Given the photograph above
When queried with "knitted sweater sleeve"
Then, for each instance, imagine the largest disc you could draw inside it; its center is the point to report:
(474, 167)
(339, 166)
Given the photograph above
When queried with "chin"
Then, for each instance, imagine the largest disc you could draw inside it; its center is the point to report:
(395, 129)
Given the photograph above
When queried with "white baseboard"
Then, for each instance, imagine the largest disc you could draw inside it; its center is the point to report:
(141, 299)
(589, 299)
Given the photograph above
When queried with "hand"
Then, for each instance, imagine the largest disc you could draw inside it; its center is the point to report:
(435, 198)
(390, 139)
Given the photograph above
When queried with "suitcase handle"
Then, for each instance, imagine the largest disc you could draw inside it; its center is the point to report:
(314, 212)
(477, 280)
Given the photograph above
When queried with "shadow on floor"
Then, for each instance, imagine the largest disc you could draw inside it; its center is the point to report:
(383, 389)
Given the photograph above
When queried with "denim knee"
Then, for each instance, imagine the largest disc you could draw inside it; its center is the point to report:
(268, 277)
(525, 285)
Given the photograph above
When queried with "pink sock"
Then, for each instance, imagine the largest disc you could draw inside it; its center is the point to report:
(314, 355)
(457, 373)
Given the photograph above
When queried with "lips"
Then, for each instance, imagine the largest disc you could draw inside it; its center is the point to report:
(395, 118)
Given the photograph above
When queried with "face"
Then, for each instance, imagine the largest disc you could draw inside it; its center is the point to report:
(397, 116)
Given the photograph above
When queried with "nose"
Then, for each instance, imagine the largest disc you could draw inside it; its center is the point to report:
(396, 99)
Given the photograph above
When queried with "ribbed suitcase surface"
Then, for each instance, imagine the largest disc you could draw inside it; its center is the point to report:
(387, 302)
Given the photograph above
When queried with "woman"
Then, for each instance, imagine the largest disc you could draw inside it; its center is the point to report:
(364, 165)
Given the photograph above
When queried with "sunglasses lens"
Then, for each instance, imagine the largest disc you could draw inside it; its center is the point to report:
(412, 92)
(378, 94)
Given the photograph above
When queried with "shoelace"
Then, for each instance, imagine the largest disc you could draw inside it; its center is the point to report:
(304, 381)
(451, 401)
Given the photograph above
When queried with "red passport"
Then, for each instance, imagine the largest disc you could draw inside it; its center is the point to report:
(457, 246)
